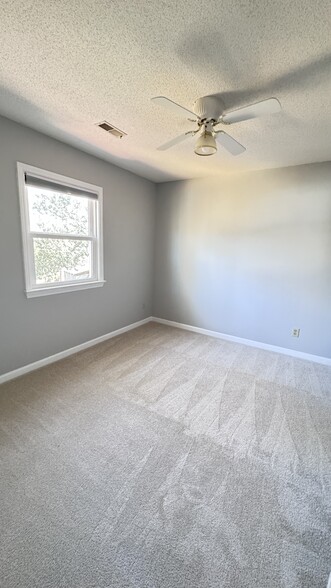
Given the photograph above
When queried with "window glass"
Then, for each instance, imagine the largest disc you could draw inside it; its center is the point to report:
(62, 232)
(52, 212)
(62, 260)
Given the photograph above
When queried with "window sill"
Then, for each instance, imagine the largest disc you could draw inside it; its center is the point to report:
(47, 290)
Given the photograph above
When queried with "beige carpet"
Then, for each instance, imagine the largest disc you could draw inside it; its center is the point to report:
(166, 459)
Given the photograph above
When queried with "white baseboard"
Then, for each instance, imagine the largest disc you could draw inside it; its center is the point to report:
(249, 342)
(62, 354)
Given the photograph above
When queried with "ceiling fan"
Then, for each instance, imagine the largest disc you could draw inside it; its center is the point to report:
(208, 113)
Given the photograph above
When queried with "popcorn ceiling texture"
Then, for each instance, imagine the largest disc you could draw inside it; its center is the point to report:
(67, 65)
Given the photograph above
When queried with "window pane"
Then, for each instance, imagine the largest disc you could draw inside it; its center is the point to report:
(62, 260)
(52, 212)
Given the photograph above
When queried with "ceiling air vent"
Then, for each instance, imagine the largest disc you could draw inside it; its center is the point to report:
(110, 129)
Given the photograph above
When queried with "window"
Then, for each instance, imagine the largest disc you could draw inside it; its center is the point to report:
(62, 232)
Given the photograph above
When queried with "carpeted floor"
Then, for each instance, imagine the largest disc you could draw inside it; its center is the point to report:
(166, 459)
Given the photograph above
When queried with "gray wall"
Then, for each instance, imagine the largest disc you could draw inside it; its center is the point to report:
(31, 329)
(248, 255)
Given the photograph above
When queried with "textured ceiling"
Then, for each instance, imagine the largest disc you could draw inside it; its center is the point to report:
(66, 65)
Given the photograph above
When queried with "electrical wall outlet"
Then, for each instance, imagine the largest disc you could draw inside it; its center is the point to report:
(295, 332)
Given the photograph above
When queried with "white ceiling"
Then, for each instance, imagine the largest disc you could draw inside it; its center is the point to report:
(66, 65)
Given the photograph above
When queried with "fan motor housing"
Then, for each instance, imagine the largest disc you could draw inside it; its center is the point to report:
(208, 108)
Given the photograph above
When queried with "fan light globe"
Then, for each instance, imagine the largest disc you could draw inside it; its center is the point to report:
(206, 144)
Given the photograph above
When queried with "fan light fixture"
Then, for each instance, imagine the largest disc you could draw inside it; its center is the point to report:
(208, 113)
(206, 144)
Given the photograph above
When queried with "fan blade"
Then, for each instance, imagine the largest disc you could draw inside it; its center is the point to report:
(166, 103)
(229, 143)
(175, 141)
(269, 106)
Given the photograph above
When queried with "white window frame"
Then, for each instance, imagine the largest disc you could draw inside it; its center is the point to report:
(31, 288)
